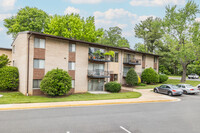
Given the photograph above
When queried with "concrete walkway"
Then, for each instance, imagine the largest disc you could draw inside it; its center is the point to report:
(147, 96)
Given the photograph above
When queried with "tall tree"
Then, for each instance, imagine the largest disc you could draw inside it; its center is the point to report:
(140, 47)
(150, 30)
(113, 37)
(27, 19)
(73, 26)
(182, 33)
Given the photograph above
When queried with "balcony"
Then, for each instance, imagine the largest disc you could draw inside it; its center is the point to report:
(101, 58)
(98, 74)
(132, 61)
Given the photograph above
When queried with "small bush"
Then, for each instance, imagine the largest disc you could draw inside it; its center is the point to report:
(142, 84)
(56, 82)
(9, 78)
(132, 77)
(113, 87)
(139, 79)
(150, 76)
(162, 78)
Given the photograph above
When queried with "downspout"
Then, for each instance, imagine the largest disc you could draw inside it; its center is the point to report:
(28, 64)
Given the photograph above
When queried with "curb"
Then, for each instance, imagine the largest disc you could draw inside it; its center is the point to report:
(90, 104)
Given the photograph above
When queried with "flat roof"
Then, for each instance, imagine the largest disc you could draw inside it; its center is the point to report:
(90, 43)
(6, 48)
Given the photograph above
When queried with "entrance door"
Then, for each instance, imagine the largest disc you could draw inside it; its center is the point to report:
(96, 85)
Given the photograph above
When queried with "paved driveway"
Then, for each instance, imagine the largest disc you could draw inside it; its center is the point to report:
(179, 78)
(168, 117)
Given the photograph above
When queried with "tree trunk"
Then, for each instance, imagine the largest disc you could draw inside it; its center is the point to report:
(183, 78)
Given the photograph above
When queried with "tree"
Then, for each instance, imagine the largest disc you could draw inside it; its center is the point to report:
(113, 37)
(75, 27)
(27, 19)
(150, 30)
(140, 47)
(4, 61)
(132, 77)
(182, 32)
(149, 76)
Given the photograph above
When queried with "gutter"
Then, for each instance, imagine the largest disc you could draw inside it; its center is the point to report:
(28, 64)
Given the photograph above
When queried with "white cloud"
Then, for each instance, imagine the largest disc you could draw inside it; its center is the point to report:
(114, 14)
(197, 19)
(1, 29)
(156, 2)
(7, 4)
(70, 10)
(93, 1)
(142, 18)
(122, 26)
(4, 16)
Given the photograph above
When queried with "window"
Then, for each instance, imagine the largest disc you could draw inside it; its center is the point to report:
(39, 43)
(37, 63)
(73, 83)
(155, 59)
(36, 83)
(72, 47)
(115, 58)
(115, 77)
(71, 66)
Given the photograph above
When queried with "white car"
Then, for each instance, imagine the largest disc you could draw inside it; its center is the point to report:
(188, 89)
(193, 76)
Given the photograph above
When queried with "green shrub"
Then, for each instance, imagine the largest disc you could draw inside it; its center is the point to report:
(56, 82)
(150, 76)
(113, 87)
(141, 84)
(132, 77)
(162, 78)
(9, 78)
(4, 60)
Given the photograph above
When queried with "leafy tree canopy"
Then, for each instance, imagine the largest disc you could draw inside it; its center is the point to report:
(27, 19)
(73, 26)
(113, 37)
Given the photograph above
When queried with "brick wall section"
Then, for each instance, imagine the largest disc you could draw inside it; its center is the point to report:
(72, 56)
(155, 65)
(72, 73)
(38, 73)
(39, 53)
(37, 92)
(143, 64)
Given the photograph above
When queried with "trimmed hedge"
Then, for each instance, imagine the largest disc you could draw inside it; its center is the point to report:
(150, 76)
(56, 82)
(132, 77)
(9, 78)
(162, 78)
(113, 87)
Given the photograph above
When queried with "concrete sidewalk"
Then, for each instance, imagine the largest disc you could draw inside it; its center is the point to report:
(147, 96)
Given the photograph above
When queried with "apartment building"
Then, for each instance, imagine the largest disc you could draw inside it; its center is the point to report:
(35, 54)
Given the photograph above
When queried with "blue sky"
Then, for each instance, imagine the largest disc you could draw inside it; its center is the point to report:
(108, 13)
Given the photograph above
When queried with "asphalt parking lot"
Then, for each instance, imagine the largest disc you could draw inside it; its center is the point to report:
(167, 117)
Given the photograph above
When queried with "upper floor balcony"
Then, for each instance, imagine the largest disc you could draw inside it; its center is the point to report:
(98, 74)
(99, 58)
(132, 61)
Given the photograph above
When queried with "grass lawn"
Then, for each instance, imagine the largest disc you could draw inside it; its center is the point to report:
(169, 81)
(174, 76)
(17, 97)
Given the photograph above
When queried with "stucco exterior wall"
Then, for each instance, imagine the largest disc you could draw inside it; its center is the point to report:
(149, 61)
(8, 53)
(81, 80)
(56, 54)
(20, 59)
(138, 68)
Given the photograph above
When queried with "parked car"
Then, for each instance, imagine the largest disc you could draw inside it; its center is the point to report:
(193, 76)
(188, 89)
(169, 89)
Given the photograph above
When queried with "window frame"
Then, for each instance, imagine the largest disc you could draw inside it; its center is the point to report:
(39, 61)
(71, 62)
(40, 46)
(72, 47)
(38, 83)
